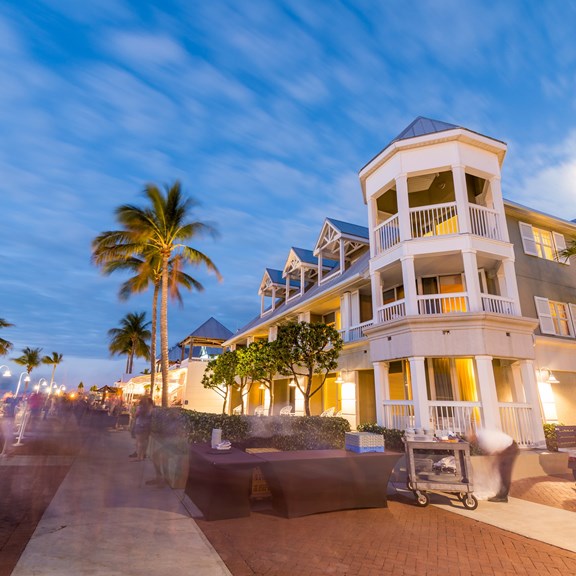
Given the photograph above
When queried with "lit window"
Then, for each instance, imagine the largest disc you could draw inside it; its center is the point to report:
(559, 313)
(544, 243)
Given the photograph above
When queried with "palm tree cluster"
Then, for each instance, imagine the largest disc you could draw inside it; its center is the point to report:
(152, 244)
(31, 357)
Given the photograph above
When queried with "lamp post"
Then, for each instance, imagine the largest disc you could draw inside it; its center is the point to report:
(6, 372)
(26, 379)
(41, 382)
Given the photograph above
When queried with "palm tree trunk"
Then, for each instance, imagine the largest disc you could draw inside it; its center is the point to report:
(153, 340)
(164, 331)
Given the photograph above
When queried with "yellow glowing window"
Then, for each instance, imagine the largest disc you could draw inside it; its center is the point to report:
(544, 243)
(559, 313)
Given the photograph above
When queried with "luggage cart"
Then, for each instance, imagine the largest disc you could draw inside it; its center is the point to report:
(430, 467)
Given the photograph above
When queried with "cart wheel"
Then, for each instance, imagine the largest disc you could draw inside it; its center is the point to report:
(470, 502)
(422, 499)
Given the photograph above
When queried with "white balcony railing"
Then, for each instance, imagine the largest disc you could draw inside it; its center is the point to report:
(399, 414)
(458, 417)
(387, 234)
(391, 311)
(484, 222)
(517, 422)
(443, 303)
(355, 333)
(435, 220)
(498, 304)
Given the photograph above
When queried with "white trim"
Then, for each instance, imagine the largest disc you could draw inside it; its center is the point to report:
(560, 245)
(572, 308)
(528, 241)
(544, 315)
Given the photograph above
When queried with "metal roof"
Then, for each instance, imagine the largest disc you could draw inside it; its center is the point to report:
(348, 228)
(422, 126)
(359, 267)
(307, 256)
(276, 278)
(210, 332)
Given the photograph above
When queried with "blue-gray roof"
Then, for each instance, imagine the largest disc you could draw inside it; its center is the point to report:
(351, 229)
(212, 330)
(276, 277)
(359, 267)
(422, 126)
(308, 257)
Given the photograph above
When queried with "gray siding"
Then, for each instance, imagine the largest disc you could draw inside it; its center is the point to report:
(540, 277)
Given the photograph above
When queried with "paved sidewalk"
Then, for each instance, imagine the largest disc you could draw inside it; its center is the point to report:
(105, 521)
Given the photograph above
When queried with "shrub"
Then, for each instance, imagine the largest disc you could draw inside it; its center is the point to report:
(550, 435)
(284, 433)
(392, 436)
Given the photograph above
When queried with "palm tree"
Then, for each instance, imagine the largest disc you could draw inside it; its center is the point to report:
(31, 359)
(54, 360)
(162, 228)
(131, 338)
(147, 271)
(5, 346)
(570, 250)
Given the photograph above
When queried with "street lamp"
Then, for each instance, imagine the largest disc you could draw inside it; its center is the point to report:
(26, 379)
(41, 382)
(6, 372)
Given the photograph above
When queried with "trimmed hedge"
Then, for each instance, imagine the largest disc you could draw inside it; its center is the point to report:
(281, 432)
(392, 436)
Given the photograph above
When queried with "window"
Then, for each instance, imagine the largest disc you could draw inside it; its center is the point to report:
(393, 294)
(556, 318)
(542, 243)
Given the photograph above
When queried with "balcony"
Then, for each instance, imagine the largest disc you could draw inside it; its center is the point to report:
(462, 417)
(437, 220)
(498, 305)
(355, 333)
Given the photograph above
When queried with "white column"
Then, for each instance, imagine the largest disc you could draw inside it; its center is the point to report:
(533, 399)
(342, 256)
(472, 281)
(409, 280)
(262, 304)
(511, 284)
(403, 207)
(517, 386)
(461, 193)
(320, 267)
(345, 314)
(273, 297)
(272, 333)
(498, 203)
(419, 392)
(381, 390)
(376, 282)
(488, 396)
(355, 308)
(372, 223)
(302, 279)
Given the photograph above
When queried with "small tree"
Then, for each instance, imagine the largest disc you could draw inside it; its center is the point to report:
(220, 375)
(81, 388)
(305, 350)
(263, 360)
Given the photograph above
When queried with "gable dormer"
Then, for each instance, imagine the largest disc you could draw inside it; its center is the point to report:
(273, 290)
(302, 266)
(339, 242)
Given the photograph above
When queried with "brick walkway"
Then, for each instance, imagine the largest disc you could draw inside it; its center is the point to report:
(403, 540)
(556, 491)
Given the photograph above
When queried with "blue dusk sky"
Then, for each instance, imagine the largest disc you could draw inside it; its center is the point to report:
(265, 110)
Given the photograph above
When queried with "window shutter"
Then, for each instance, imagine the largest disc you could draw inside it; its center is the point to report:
(573, 314)
(528, 239)
(543, 310)
(560, 244)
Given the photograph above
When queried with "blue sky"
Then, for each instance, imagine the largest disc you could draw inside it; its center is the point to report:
(265, 110)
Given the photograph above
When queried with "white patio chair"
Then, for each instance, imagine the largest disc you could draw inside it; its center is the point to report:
(260, 411)
(328, 413)
(238, 410)
(286, 411)
(339, 414)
